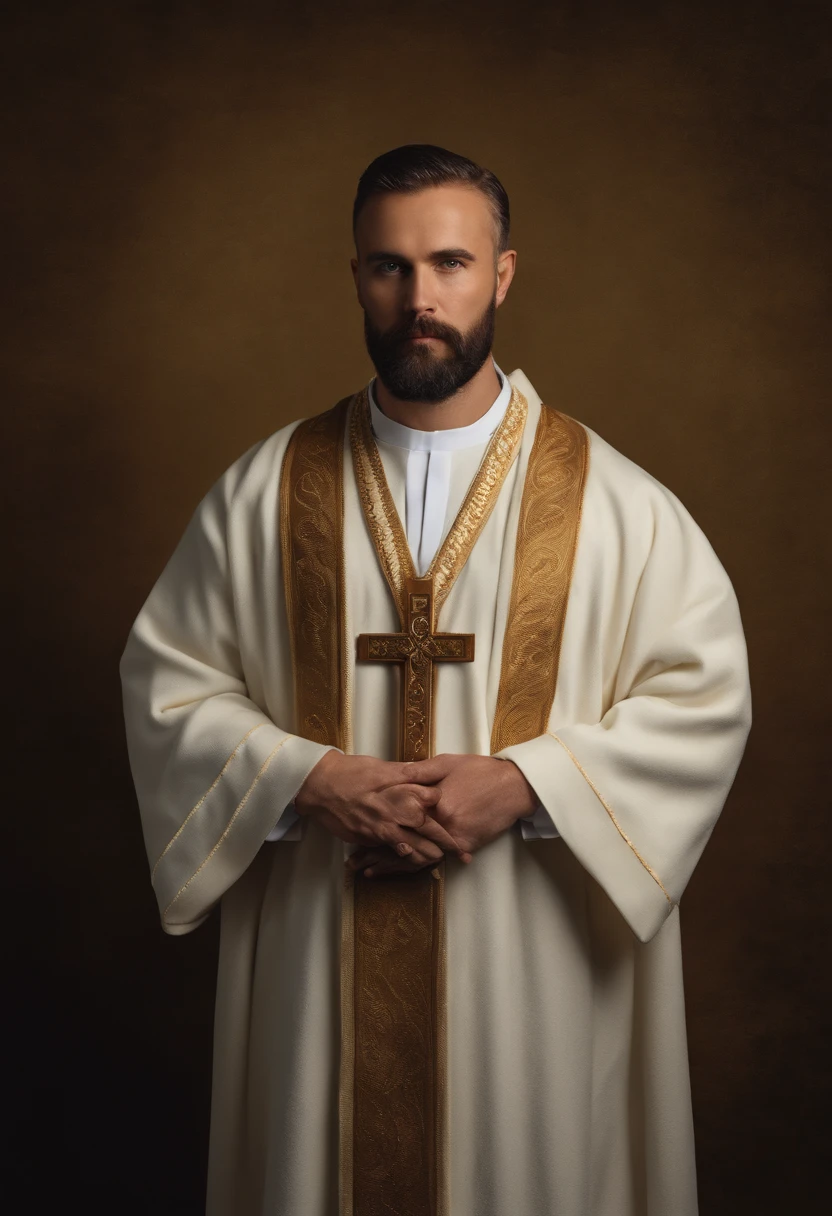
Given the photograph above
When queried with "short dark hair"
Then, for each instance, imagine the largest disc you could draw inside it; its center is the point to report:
(415, 167)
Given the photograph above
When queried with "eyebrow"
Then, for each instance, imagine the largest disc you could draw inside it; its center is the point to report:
(386, 255)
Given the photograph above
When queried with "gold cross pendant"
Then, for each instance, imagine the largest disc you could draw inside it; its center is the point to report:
(418, 648)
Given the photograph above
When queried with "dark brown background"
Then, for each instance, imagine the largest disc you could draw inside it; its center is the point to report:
(176, 223)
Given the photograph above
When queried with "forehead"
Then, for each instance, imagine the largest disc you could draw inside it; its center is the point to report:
(439, 217)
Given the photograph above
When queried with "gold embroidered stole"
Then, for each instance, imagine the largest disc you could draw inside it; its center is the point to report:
(312, 549)
(393, 1063)
(547, 537)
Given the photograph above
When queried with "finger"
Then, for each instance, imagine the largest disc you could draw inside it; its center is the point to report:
(423, 795)
(439, 835)
(403, 849)
(406, 804)
(414, 858)
(367, 857)
(412, 829)
(428, 772)
(414, 855)
(421, 847)
(398, 772)
(395, 835)
(390, 864)
(426, 795)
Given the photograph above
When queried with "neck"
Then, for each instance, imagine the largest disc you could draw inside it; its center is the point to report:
(466, 405)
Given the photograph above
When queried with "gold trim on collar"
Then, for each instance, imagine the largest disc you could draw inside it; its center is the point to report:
(383, 519)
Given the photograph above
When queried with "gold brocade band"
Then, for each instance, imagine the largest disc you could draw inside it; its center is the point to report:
(547, 537)
(393, 1074)
(399, 972)
(312, 548)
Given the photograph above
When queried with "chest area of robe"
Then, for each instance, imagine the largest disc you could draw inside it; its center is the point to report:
(465, 696)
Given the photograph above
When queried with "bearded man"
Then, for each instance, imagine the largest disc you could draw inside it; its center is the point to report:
(449, 984)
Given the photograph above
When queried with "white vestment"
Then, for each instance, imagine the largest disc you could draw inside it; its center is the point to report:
(436, 468)
(568, 1084)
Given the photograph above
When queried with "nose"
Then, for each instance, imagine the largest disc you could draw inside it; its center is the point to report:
(419, 295)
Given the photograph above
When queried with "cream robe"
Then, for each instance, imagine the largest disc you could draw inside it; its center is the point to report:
(568, 1072)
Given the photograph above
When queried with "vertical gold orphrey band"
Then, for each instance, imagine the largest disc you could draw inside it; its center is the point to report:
(381, 938)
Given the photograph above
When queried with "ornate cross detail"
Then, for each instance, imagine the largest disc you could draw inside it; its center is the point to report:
(418, 648)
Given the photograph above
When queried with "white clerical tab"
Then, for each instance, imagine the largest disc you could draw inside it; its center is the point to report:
(430, 465)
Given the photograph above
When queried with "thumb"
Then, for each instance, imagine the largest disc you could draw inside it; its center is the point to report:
(428, 772)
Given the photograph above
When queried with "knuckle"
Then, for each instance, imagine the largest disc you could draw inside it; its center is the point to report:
(372, 802)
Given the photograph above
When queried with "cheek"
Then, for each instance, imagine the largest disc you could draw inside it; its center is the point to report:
(378, 298)
(469, 296)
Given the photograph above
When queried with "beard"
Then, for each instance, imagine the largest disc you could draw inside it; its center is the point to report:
(415, 371)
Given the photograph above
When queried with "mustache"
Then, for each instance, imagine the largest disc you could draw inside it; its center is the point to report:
(423, 329)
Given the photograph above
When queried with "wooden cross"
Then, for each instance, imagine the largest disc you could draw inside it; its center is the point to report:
(418, 648)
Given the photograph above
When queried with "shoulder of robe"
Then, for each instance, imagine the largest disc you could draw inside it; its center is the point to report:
(628, 503)
(628, 488)
(255, 472)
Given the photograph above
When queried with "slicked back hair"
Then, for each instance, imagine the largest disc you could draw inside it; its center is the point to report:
(414, 167)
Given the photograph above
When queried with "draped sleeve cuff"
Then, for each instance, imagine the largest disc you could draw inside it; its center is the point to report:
(587, 821)
(225, 829)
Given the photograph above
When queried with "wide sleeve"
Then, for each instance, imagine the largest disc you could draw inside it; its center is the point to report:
(636, 795)
(212, 771)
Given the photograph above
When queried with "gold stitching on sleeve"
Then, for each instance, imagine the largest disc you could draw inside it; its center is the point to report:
(240, 806)
(210, 790)
(611, 814)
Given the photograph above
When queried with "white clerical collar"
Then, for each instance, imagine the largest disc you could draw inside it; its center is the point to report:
(453, 440)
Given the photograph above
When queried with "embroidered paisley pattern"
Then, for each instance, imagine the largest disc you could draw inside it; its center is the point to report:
(547, 536)
(311, 536)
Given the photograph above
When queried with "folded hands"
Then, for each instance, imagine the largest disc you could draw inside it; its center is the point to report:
(404, 817)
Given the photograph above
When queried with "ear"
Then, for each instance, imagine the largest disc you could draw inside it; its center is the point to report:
(506, 264)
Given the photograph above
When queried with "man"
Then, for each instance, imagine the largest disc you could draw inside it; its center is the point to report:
(447, 983)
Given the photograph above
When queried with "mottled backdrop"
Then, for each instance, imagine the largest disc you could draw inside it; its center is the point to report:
(176, 224)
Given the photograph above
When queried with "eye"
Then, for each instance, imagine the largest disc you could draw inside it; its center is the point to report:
(449, 260)
(383, 267)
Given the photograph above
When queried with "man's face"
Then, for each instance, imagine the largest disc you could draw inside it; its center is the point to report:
(429, 286)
